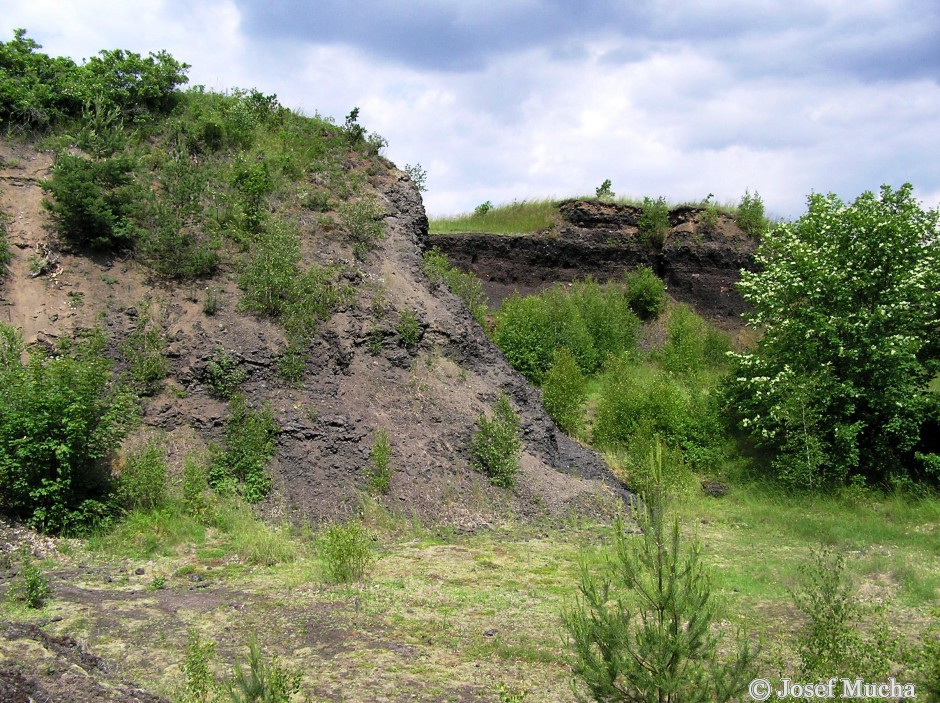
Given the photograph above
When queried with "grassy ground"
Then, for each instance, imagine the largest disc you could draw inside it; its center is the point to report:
(446, 617)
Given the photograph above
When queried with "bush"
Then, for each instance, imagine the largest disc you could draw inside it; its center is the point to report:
(91, 200)
(6, 256)
(263, 682)
(646, 293)
(222, 374)
(143, 477)
(604, 191)
(464, 285)
(408, 328)
(496, 446)
(61, 414)
(692, 345)
(253, 184)
(144, 349)
(750, 215)
(362, 219)
(380, 455)
(345, 551)
(608, 317)
(643, 629)
(250, 443)
(847, 298)
(564, 392)
(831, 642)
(32, 587)
(654, 221)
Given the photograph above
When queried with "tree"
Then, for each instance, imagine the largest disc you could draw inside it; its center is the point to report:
(847, 298)
(642, 628)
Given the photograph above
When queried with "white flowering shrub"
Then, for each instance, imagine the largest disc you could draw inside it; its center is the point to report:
(847, 298)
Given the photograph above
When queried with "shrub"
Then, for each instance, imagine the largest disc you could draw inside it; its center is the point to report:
(496, 446)
(847, 298)
(831, 642)
(61, 414)
(144, 349)
(604, 192)
(464, 285)
(250, 439)
(654, 221)
(32, 587)
(143, 477)
(292, 364)
(380, 455)
(199, 684)
(608, 317)
(6, 256)
(408, 328)
(346, 551)
(482, 209)
(708, 221)
(195, 485)
(222, 374)
(564, 392)
(362, 219)
(643, 628)
(91, 200)
(692, 345)
(646, 293)
(253, 184)
(750, 215)
(269, 682)
(418, 176)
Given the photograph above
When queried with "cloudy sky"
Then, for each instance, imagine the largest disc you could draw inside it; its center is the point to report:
(536, 98)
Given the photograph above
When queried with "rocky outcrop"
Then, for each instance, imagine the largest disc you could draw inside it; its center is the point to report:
(700, 266)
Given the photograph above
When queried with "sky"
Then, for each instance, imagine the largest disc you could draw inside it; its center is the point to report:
(521, 99)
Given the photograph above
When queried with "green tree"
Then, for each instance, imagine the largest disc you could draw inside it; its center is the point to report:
(848, 299)
(642, 629)
(564, 392)
(496, 444)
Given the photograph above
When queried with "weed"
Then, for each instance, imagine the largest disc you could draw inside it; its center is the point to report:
(76, 299)
(708, 222)
(199, 685)
(483, 209)
(496, 445)
(362, 219)
(380, 470)
(32, 587)
(195, 485)
(408, 328)
(464, 285)
(144, 349)
(143, 477)
(263, 682)
(212, 302)
(292, 364)
(345, 551)
(222, 374)
(250, 436)
(158, 583)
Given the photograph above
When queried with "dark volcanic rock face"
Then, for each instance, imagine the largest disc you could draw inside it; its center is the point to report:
(603, 240)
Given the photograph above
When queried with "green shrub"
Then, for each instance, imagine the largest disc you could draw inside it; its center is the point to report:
(199, 684)
(6, 256)
(608, 317)
(646, 293)
(847, 298)
(692, 345)
(643, 628)
(831, 642)
(604, 191)
(483, 209)
(346, 551)
(91, 200)
(195, 485)
(250, 443)
(564, 392)
(708, 221)
(496, 445)
(380, 455)
(464, 285)
(292, 364)
(143, 482)
(654, 221)
(408, 328)
(222, 374)
(362, 219)
(750, 214)
(32, 586)
(418, 176)
(61, 414)
(263, 682)
(253, 184)
(144, 349)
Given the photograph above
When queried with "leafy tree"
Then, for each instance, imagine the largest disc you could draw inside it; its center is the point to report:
(564, 392)
(848, 299)
(496, 444)
(60, 415)
(642, 628)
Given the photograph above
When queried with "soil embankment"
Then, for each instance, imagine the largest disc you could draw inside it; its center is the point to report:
(699, 264)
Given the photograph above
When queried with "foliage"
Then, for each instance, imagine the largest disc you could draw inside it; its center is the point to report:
(37, 90)
(654, 220)
(848, 299)
(483, 209)
(61, 414)
(292, 363)
(346, 551)
(222, 374)
(831, 642)
(564, 393)
(32, 586)
(143, 481)
(927, 662)
(6, 256)
(692, 345)
(380, 455)
(362, 219)
(646, 293)
(269, 682)
(603, 191)
(253, 183)
(517, 217)
(418, 176)
(708, 222)
(195, 486)
(200, 686)
(144, 349)
(408, 328)
(750, 214)
(91, 200)
(496, 445)
(464, 285)
(643, 628)
(250, 443)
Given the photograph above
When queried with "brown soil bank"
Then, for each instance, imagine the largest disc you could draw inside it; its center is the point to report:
(699, 265)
